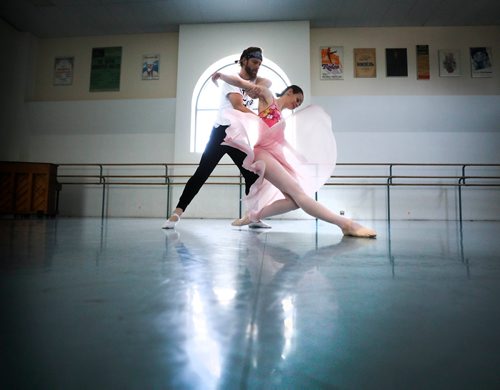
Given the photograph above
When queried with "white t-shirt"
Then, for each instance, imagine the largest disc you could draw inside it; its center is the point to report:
(225, 104)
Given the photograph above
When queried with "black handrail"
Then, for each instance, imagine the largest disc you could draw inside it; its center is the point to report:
(389, 180)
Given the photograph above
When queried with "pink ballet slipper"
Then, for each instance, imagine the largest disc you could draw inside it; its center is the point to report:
(354, 229)
(241, 221)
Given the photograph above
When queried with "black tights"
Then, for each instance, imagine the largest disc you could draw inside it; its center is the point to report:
(213, 153)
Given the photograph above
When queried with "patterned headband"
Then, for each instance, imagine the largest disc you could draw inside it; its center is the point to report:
(254, 54)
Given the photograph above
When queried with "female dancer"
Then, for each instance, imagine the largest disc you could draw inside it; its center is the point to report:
(269, 161)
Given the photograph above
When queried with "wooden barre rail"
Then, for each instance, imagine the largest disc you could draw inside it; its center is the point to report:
(465, 179)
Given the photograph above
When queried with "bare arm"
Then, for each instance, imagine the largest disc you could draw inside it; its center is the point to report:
(260, 91)
(264, 82)
(232, 79)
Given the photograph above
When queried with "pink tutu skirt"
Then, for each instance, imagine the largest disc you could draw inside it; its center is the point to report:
(303, 144)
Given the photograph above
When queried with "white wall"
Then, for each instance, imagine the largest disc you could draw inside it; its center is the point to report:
(416, 129)
(105, 131)
(202, 45)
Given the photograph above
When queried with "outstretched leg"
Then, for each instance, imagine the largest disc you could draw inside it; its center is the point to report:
(280, 178)
(278, 207)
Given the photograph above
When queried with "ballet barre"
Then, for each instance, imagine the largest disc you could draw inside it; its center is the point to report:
(465, 178)
(386, 175)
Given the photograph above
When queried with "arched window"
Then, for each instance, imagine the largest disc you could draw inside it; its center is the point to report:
(205, 101)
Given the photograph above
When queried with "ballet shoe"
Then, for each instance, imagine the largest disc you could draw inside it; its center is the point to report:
(354, 229)
(168, 224)
(241, 221)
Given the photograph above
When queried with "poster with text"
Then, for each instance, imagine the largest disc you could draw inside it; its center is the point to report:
(449, 63)
(105, 69)
(63, 70)
(151, 67)
(481, 62)
(423, 69)
(332, 63)
(365, 63)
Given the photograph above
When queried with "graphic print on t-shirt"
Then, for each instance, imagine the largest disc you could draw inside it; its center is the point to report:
(247, 100)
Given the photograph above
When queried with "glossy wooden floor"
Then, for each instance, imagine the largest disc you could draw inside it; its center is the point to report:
(123, 304)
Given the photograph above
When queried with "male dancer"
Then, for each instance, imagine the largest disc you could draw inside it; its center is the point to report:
(239, 99)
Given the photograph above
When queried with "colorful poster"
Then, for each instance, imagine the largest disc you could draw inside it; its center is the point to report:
(63, 70)
(449, 63)
(332, 63)
(365, 63)
(105, 69)
(423, 68)
(151, 67)
(481, 62)
(396, 61)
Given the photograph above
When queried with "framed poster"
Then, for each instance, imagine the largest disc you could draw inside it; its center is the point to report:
(396, 62)
(63, 70)
(105, 69)
(449, 63)
(332, 63)
(365, 63)
(481, 62)
(151, 67)
(423, 69)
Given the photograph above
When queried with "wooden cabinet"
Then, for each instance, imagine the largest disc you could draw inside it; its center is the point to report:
(28, 188)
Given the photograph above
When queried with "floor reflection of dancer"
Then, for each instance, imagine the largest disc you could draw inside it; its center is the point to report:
(279, 276)
(201, 317)
(269, 161)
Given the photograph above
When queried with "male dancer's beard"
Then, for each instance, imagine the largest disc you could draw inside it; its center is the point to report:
(251, 72)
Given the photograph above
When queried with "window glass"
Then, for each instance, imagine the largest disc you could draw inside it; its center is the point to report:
(205, 102)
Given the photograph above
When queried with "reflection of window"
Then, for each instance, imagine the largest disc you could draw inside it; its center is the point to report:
(205, 101)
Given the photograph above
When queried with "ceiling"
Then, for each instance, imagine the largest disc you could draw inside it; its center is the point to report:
(70, 18)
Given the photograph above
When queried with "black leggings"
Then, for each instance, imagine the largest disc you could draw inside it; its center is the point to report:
(213, 153)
